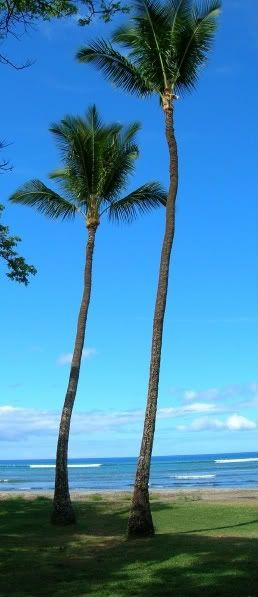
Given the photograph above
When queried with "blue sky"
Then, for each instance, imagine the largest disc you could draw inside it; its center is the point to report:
(208, 373)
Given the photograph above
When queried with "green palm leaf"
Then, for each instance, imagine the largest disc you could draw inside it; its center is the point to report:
(115, 66)
(128, 133)
(119, 161)
(194, 44)
(82, 142)
(152, 22)
(142, 200)
(120, 164)
(35, 194)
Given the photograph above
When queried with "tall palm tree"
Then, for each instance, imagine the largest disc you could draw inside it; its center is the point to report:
(166, 44)
(97, 161)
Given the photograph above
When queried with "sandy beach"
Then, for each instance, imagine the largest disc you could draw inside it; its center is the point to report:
(207, 495)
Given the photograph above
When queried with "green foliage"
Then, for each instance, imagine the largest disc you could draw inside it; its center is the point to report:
(97, 160)
(19, 269)
(35, 9)
(166, 45)
(30, 10)
(200, 548)
(16, 16)
(26, 10)
(104, 9)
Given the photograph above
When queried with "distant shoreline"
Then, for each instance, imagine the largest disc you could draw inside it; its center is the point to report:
(211, 495)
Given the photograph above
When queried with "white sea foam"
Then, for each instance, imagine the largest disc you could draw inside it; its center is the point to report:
(194, 476)
(226, 460)
(69, 465)
(4, 480)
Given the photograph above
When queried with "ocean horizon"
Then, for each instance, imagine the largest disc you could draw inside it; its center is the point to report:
(220, 470)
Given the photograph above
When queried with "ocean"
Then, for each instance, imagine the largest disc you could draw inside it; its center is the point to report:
(167, 472)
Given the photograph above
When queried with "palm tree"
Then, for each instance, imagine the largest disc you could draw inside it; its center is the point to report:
(166, 44)
(97, 161)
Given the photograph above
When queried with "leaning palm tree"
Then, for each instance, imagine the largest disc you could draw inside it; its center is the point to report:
(166, 44)
(97, 161)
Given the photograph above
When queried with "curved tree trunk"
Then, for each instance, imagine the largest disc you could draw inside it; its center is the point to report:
(140, 519)
(62, 508)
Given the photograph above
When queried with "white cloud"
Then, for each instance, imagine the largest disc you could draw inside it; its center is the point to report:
(237, 422)
(199, 407)
(7, 409)
(66, 359)
(20, 423)
(231, 392)
(204, 424)
(196, 407)
(233, 423)
(17, 423)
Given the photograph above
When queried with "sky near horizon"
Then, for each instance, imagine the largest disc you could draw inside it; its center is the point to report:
(208, 373)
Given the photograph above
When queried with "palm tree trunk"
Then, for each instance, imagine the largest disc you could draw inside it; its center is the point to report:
(140, 520)
(62, 508)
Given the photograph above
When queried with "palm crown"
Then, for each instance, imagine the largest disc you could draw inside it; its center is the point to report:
(97, 161)
(166, 45)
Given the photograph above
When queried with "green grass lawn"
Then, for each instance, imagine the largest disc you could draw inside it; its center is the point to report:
(200, 549)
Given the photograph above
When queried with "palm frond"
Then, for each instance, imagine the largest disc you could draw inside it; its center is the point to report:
(126, 35)
(74, 142)
(63, 132)
(178, 9)
(79, 141)
(93, 118)
(35, 194)
(145, 37)
(74, 186)
(179, 16)
(195, 42)
(119, 164)
(58, 174)
(208, 8)
(115, 67)
(152, 21)
(127, 133)
(95, 126)
(142, 200)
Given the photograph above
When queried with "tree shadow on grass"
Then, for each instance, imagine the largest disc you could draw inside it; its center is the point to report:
(177, 565)
(39, 560)
(94, 518)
